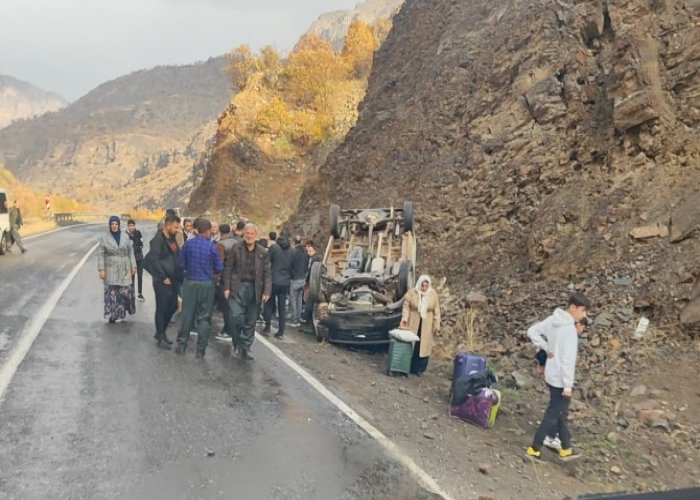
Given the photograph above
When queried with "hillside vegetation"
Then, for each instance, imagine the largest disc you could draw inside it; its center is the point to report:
(287, 114)
(32, 200)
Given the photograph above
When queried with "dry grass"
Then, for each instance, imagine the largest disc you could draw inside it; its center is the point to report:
(35, 226)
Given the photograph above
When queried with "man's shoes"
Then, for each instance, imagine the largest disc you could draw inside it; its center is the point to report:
(552, 443)
(234, 348)
(167, 341)
(534, 455)
(295, 324)
(24, 250)
(180, 349)
(222, 337)
(568, 455)
(163, 345)
(266, 330)
(279, 335)
(246, 355)
(140, 297)
(201, 353)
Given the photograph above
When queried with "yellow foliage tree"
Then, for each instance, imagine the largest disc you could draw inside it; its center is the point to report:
(242, 64)
(274, 118)
(360, 45)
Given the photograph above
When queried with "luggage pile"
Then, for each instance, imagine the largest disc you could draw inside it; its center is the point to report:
(473, 397)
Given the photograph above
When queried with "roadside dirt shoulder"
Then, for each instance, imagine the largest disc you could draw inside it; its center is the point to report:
(467, 461)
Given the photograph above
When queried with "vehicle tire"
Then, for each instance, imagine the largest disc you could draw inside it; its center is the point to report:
(315, 282)
(406, 278)
(4, 242)
(335, 221)
(407, 216)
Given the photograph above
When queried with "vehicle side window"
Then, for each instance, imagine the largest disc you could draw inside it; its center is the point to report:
(3, 209)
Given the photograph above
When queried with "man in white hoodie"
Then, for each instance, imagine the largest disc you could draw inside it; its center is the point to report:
(558, 336)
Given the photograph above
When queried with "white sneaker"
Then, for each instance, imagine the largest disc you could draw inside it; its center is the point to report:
(552, 443)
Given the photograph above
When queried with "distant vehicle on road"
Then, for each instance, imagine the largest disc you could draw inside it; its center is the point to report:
(368, 266)
(5, 236)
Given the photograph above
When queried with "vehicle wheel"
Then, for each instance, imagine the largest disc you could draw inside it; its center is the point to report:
(406, 278)
(335, 221)
(315, 282)
(4, 242)
(407, 216)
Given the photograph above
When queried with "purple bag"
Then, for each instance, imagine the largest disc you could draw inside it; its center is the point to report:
(480, 409)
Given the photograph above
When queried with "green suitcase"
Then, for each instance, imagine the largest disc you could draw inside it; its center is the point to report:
(399, 357)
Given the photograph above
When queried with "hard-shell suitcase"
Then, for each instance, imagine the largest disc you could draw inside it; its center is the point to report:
(399, 357)
(480, 409)
(465, 363)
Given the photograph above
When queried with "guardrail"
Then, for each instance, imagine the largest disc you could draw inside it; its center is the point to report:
(63, 217)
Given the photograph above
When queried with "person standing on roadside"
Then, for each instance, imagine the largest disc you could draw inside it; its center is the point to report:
(300, 264)
(16, 222)
(137, 241)
(281, 255)
(238, 232)
(188, 229)
(116, 266)
(247, 286)
(224, 246)
(215, 234)
(161, 262)
(558, 337)
(200, 262)
(314, 257)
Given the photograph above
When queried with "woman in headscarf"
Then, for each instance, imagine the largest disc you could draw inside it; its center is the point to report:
(116, 265)
(421, 315)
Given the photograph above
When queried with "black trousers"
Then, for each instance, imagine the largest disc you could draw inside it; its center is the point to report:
(139, 275)
(166, 305)
(418, 364)
(555, 420)
(278, 299)
(222, 305)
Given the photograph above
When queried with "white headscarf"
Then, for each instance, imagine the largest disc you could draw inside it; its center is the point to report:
(423, 296)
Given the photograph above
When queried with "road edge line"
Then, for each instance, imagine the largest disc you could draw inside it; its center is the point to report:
(32, 330)
(36, 235)
(391, 448)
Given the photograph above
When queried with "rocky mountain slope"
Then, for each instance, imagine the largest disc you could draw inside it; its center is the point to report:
(21, 100)
(548, 146)
(333, 26)
(130, 142)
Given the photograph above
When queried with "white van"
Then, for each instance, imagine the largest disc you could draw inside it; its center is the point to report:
(5, 237)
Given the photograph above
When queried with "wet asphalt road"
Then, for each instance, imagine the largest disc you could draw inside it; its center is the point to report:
(96, 411)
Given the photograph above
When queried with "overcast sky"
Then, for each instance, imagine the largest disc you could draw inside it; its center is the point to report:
(71, 46)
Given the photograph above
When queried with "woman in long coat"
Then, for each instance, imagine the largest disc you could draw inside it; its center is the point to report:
(421, 315)
(116, 265)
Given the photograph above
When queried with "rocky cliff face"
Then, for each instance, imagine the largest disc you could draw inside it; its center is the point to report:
(549, 147)
(21, 100)
(130, 142)
(333, 26)
(534, 137)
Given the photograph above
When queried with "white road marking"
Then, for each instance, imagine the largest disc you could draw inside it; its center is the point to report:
(32, 330)
(391, 448)
(59, 229)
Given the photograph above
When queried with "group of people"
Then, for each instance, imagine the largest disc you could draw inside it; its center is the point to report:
(207, 266)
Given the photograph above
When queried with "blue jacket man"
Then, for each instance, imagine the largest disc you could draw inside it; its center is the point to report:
(200, 263)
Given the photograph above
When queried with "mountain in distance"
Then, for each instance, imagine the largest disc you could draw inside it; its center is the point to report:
(21, 100)
(333, 26)
(130, 142)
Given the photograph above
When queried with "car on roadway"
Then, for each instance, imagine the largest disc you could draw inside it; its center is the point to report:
(5, 236)
(367, 268)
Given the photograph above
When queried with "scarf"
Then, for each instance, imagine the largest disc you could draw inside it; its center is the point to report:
(423, 296)
(118, 234)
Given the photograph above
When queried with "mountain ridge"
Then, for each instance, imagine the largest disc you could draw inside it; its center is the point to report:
(20, 100)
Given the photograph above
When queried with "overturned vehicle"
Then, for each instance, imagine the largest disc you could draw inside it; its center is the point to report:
(367, 268)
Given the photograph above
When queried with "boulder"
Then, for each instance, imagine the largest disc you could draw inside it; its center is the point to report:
(685, 219)
(634, 109)
(650, 231)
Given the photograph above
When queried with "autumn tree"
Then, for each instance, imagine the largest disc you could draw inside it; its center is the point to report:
(313, 70)
(271, 63)
(358, 51)
(242, 65)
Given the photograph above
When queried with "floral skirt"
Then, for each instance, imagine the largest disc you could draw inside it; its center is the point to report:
(119, 300)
